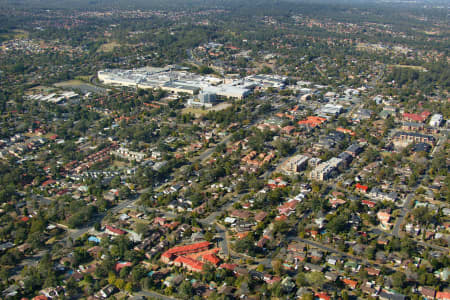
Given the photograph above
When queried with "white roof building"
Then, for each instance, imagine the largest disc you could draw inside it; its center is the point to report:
(436, 120)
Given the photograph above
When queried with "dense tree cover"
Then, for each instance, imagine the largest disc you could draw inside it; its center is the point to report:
(436, 74)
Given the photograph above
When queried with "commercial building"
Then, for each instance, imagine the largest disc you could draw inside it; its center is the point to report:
(202, 100)
(266, 81)
(180, 87)
(174, 81)
(231, 90)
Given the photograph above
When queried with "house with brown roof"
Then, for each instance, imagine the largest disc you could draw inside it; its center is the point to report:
(259, 217)
(427, 292)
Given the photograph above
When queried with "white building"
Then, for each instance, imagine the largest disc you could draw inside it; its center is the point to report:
(227, 91)
(330, 110)
(326, 169)
(173, 81)
(436, 120)
(295, 164)
(127, 154)
(266, 81)
(202, 100)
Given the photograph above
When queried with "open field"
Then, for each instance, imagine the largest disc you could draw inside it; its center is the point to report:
(69, 83)
(200, 112)
(417, 68)
(108, 47)
(83, 78)
(16, 34)
(39, 88)
(221, 106)
(197, 112)
(82, 86)
(20, 34)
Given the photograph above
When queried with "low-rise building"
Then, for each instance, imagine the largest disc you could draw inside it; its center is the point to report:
(436, 120)
(295, 164)
(326, 169)
(403, 139)
(128, 154)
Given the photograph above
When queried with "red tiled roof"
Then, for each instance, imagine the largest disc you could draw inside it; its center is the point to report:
(180, 250)
(288, 205)
(373, 271)
(350, 283)
(281, 218)
(47, 182)
(344, 130)
(120, 266)
(167, 255)
(361, 187)
(323, 296)
(288, 129)
(159, 220)
(242, 235)
(368, 203)
(186, 261)
(443, 295)
(115, 230)
(211, 258)
(417, 117)
(312, 121)
(172, 225)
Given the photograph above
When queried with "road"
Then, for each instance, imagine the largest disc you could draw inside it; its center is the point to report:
(76, 233)
(33, 260)
(405, 209)
(378, 231)
(439, 144)
(211, 218)
(210, 151)
(319, 70)
(224, 246)
(269, 172)
(267, 262)
(225, 140)
(221, 230)
(329, 249)
(30, 261)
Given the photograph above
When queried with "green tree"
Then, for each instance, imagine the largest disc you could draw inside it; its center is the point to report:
(185, 290)
(316, 279)
(398, 279)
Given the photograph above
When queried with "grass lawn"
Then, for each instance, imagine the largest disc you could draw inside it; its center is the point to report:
(417, 68)
(69, 83)
(108, 47)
